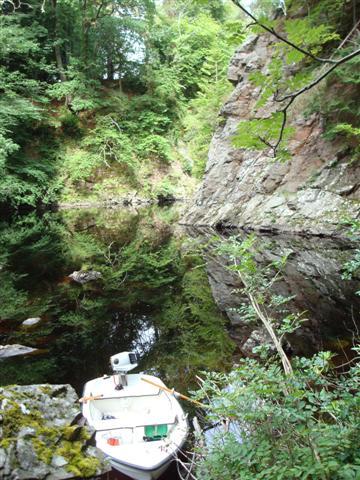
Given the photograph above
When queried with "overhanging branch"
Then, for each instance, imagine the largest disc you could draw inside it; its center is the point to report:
(292, 96)
(280, 37)
(320, 78)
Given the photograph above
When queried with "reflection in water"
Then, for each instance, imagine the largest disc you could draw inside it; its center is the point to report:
(152, 296)
(313, 279)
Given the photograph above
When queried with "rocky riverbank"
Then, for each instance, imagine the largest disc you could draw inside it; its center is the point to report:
(43, 437)
(309, 194)
(136, 202)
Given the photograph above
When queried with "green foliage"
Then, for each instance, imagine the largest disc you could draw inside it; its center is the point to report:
(79, 165)
(303, 426)
(18, 88)
(304, 33)
(26, 181)
(301, 423)
(338, 105)
(192, 329)
(201, 117)
(258, 282)
(81, 92)
(165, 189)
(110, 144)
(313, 33)
(155, 147)
(255, 134)
(12, 299)
(349, 132)
(112, 83)
(70, 124)
(352, 267)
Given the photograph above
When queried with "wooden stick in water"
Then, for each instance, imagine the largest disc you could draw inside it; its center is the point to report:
(173, 392)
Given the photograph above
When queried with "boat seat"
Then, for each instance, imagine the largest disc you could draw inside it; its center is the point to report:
(131, 412)
(132, 421)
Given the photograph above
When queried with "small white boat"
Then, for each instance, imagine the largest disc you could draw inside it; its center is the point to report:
(139, 426)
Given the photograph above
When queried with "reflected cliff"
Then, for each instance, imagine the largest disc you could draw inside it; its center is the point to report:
(313, 276)
(154, 291)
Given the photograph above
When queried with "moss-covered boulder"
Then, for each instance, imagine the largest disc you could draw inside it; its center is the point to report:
(41, 438)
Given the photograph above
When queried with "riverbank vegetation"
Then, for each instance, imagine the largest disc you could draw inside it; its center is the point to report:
(280, 416)
(100, 99)
(105, 99)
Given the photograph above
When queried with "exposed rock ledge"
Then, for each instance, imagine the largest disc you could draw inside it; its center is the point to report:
(310, 193)
(40, 437)
(129, 201)
(107, 203)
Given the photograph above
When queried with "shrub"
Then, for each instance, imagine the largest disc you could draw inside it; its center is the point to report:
(70, 124)
(155, 146)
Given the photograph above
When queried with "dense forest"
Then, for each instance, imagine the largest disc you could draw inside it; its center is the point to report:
(98, 95)
(117, 102)
(99, 99)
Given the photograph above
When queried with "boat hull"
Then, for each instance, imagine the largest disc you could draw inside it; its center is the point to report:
(140, 427)
(139, 474)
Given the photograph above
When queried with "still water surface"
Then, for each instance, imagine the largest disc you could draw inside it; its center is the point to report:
(153, 296)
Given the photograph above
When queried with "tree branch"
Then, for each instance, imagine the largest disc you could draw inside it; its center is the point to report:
(280, 37)
(292, 96)
(282, 129)
(320, 78)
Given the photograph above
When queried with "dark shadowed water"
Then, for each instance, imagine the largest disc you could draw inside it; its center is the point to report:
(152, 295)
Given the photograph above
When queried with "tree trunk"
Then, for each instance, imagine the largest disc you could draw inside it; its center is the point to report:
(60, 64)
(110, 69)
(58, 57)
(57, 49)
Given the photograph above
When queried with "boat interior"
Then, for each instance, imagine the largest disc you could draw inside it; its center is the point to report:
(132, 412)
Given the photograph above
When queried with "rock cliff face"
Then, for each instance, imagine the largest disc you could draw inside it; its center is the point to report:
(308, 194)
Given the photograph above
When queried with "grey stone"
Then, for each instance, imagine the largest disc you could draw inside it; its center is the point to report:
(26, 432)
(25, 454)
(15, 350)
(244, 188)
(2, 457)
(51, 403)
(85, 276)
(30, 322)
(38, 472)
(60, 474)
(58, 461)
(257, 338)
(312, 277)
(10, 460)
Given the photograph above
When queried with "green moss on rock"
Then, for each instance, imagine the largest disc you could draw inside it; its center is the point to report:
(40, 418)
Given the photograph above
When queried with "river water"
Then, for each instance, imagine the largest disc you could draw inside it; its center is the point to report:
(155, 293)
(153, 296)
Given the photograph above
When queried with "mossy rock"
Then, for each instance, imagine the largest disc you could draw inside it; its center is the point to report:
(38, 436)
